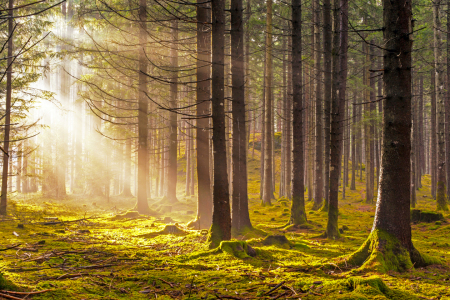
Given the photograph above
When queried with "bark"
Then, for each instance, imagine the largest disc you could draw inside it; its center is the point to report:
(126, 192)
(337, 119)
(447, 105)
(441, 190)
(354, 158)
(389, 246)
(433, 143)
(288, 131)
(240, 213)
(3, 197)
(221, 219)
(298, 214)
(19, 169)
(171, 192)
(187, 156)
(204, 201)
(327, 41)
(268, 119)
(318, 193)
(372, 110)
(142, 204)
(413, 153)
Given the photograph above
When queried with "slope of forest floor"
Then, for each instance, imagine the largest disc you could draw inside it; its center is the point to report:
(80, 249)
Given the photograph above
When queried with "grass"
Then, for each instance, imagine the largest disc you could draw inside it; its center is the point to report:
(106, 257)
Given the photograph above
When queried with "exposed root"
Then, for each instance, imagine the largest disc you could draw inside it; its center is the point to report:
(240, 249)
(382, 252)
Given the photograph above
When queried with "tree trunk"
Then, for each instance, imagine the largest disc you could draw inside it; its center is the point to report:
(203, 91)
(337, 116)
(318, 194)
(3, 200)
(389, 246)
(447, 105)
(142, 203)
(441, 190)
(171, 192)
(268, 119)
(221, 219)
(354, 158)
(433, 149)
(240, 214)
(298, 214)
(327, 29)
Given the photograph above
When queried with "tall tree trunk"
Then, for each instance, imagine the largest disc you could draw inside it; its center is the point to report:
(413, 149)
(337, 116)
(142, 161)
(221, 219)
(298, 214)
(318, 193)
(204, 201)
(3, 200)
(240, 215)
(390, 239)
(433, 149)
(173, 142)
(327, 41)
(354, 158)
(447, 105)
(268, 119)
(441, 191)
(372, 111)
(288, 131)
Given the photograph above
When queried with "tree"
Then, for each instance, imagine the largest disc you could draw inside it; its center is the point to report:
(298, 214)
(389, 245)
(221, 218)
(142, 204)
(204, 206)
(440, 93)
(3, 200)
(338, 117)
(318, 175)
(267, 181)
(240, 214)
(171, 192)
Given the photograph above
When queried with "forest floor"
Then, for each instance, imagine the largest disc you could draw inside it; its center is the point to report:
(99, 251)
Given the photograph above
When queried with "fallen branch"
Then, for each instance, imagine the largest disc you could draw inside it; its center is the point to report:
(11, 247)
(9, 297)
(26, 293)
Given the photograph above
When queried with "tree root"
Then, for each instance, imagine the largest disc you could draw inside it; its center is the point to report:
(383, 252)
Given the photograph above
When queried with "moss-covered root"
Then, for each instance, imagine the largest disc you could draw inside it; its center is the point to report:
(374, 287)
(382, 252)
(239, 249)
(217, 235)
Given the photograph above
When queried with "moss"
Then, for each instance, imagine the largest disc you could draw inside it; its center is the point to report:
(277, 240)
(127, 215)
(418, 215)
(382, 252)
(239, 249)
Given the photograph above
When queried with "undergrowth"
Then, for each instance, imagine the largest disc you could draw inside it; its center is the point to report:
(81, 248)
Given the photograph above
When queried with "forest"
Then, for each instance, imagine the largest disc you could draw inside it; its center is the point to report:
(225, 149)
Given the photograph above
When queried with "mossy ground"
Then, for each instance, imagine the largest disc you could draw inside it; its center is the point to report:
(103, 257)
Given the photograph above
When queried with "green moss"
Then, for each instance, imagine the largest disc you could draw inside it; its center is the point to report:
(239, 249)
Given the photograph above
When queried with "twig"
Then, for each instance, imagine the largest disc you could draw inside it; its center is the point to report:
(171, 285)
(274, 288)
(26, 293)
(11, 247)
(9, 297)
